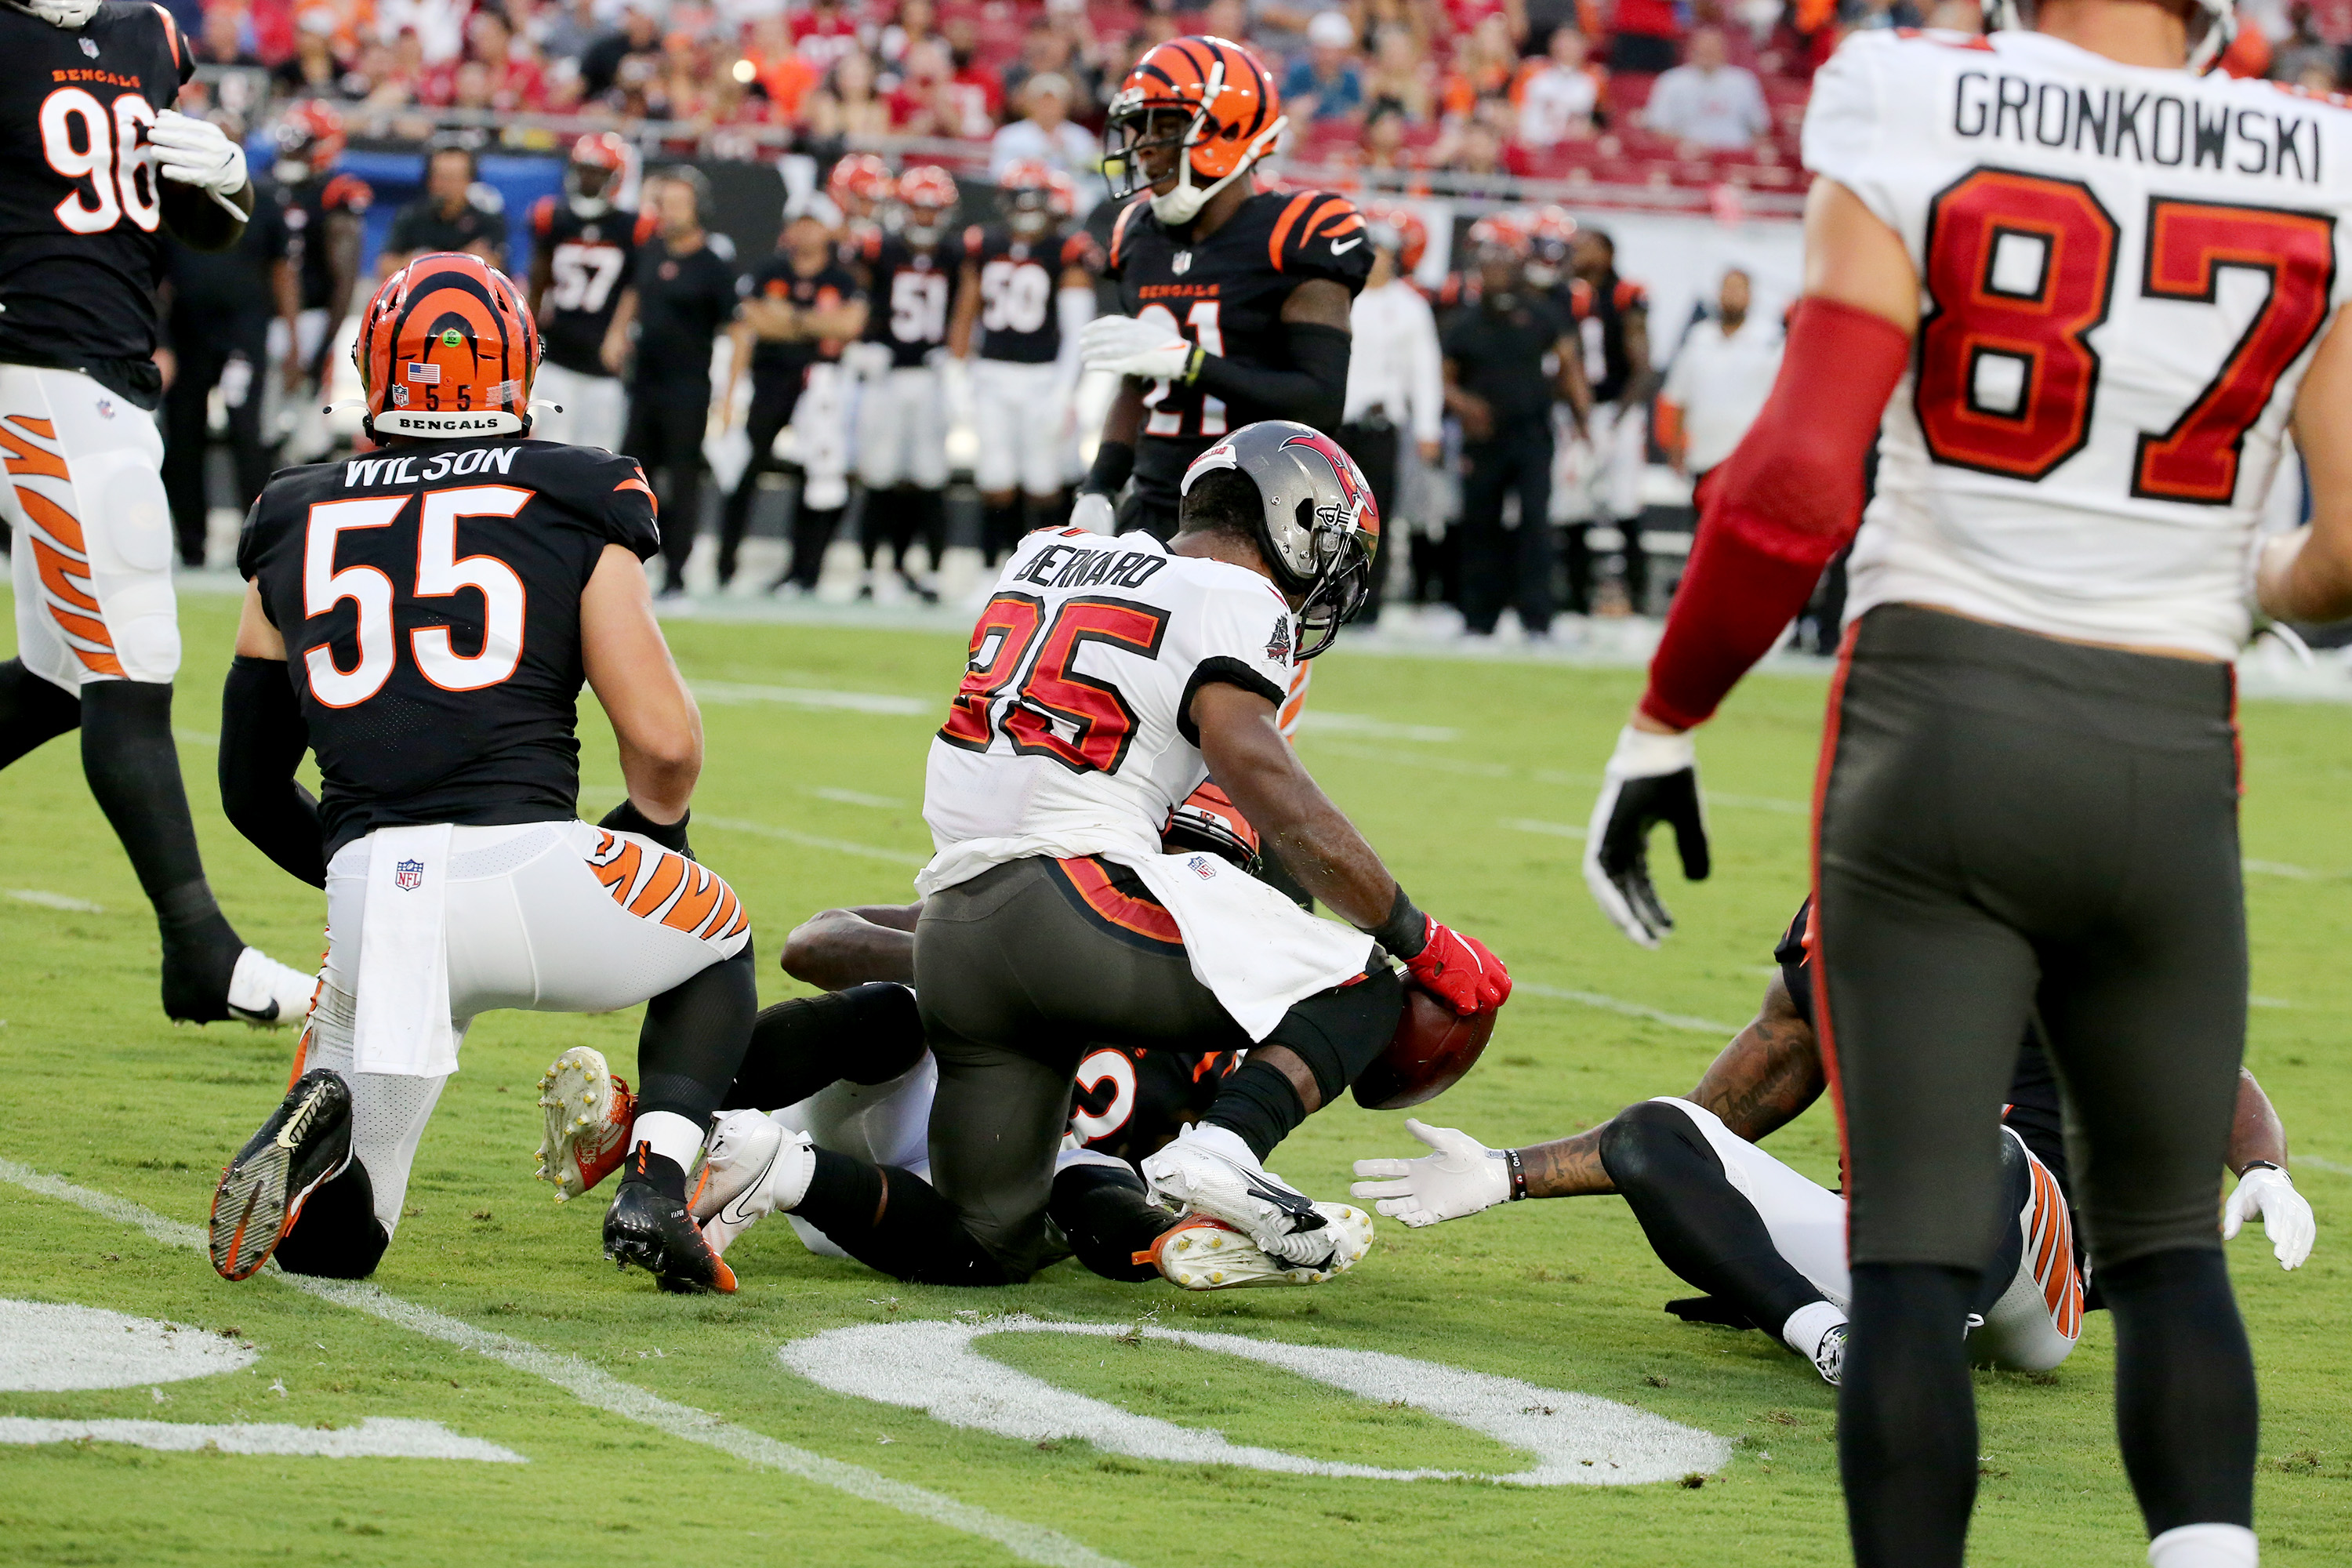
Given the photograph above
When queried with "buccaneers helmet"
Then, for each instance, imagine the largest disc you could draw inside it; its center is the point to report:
(1399, 231)
(1318, 526)
(1206, 98)
(1208, 820)
(599, 163)
(448, 348)
(310, 139)
(858, 182)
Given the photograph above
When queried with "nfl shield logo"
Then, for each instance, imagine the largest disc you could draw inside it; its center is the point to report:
(1181, 263)
(90, 48)
(408, 875)
(1201, 867)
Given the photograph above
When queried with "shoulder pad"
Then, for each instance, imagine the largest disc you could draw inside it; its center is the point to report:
(1320, 234)
(1079, 250)
(1631, 294)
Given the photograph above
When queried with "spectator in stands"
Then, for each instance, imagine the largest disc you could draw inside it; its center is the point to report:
(847, 105)
(1410, 18)
(930, 102)
(825, 32)
(396, 74)
(1708, 104)
(1384, 146)
(1323, 84)
(566, 33)
(1718, 381)
(917, 23)
(974, 77)
(2304, 50)
(1484, 64)
(1401, 79)
(439, 25)
(1466, 16)
(313, 69)
(223, 42)
(781, 72)
(1645, 37)
(1476, 159)
(638, 36)
(1559, 99)
(1044, 132)
(1046, 49)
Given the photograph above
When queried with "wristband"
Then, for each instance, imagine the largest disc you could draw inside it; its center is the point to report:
(1405, 931)
(2259, 1165)
(1519, 1174)
(626, 818)
(1192, 363)
(1114, 461)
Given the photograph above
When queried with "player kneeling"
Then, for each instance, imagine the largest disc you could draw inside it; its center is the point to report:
(423, 620)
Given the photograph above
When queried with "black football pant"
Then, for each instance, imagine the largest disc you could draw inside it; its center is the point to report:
(1136, 514)
(1502, 566)
(666, 426)
(1373, 444)
(2014, 826)
(206, 350)
(772, 401)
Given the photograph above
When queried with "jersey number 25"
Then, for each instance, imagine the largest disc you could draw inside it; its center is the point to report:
(439, 575)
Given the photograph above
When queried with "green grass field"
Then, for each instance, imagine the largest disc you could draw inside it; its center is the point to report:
(1453, 769)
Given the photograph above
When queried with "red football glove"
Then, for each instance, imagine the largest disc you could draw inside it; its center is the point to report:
(1460, 970)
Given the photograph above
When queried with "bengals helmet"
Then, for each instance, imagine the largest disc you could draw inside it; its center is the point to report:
(1551, 245)
(600, 160)
(1037, 196)
(857, 183)
(1505, 231)
(927, 194)
(1317, 528)
(1207, 98)
(1208, 820)
(310, 139)
(448, 349)
(1399, 231)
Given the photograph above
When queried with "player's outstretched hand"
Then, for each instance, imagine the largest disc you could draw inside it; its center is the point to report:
(1651, 779)
(1466, 975)
(1094, 512)
(1461, 1177)
(196, 152)
(1125, 345)
(2288, 1218)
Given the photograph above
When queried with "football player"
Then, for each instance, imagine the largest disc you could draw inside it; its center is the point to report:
(2027, 796)
(1236, 300)
(902, 411)
(423, 620)
(1766, 1246)
(1027, 291)
(98, 167)
(859, 185)
(581, 246)
(1613, 324)
(324, 212)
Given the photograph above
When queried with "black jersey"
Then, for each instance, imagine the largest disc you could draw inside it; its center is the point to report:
(913, 293)
(421, 228)
(1225, 294)
(588, 262)
(226, 291)
(1128, 1103)
(1019, 281)
(310, 207)
(81, 238)
(1601, 314)
(429, 597)
(684, 302)
(779, 360)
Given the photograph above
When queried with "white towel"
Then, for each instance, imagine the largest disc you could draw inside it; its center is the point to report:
(1255, 949)
(403, 1023)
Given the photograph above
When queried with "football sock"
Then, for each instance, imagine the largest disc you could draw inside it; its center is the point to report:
(692, 1044)
(867, 1034)
(1000, 530)
(672, 1137)
(812, 532)
(338, 1236)
(2185, 1404)
(1698, 1223)
(1257, 1105)
(1108, 1217)
(1337, 1033)
(880, 523)
(892, 1220)
(32, 710)
(2205, 1546)
(1907, 1416)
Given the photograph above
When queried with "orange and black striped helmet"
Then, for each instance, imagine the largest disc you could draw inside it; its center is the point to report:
(448, 349)
(1209, 99)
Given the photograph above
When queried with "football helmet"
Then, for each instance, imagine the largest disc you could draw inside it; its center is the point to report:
(928, 194)
(448, 348)
(1317, 527)
(1399, 231)
(1208, 99)
(310, 139)
(1551, 243)
(857, 183)
(1208, 820)
(600, 159)
(1037, 196)
(1507, 231)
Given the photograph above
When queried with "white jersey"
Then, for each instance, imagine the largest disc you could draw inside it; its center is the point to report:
(2124, 272)
(1070, 734)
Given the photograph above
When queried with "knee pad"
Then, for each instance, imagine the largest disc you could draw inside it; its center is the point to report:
(1643, 1143)
(1338, 1033)
(130, 543)
(338, 1236)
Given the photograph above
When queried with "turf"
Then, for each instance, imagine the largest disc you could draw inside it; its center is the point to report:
(1452, 771)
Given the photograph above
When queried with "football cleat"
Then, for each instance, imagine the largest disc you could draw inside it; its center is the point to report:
(648, 1225)
(1207, 1170)
(751, 1167)
(306, 1143)
(1829, 1356)
(589, 1112)
(1204, 1254)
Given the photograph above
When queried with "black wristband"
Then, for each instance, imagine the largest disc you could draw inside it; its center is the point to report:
(2259, 1165)
(626, 818)
(1519, 1172)
(1405, 931)
(1114, 461)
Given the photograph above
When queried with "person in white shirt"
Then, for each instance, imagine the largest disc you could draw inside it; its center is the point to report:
(1047, 136)
(1718, 382)
(1396, 381)
(1707, 102)
(1559, 97)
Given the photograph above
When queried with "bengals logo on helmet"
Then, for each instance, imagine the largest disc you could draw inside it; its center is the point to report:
(448, 348)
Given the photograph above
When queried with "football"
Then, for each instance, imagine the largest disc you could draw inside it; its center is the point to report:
(1433, 1047)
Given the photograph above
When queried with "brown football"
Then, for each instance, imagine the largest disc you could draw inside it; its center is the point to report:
(1431, 1050)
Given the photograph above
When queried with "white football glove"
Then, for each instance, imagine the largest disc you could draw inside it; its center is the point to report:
(1094, 512)
(1124, 345)
(2288, 1218)
(192, 152)
(1460, 1178)
(1650, 779)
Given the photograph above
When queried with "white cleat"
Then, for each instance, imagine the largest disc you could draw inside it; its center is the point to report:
(588, 1115)
(751, 1167)
(267, 993)
(1207, 1170)
(1205, 1254)
(1829, 1356)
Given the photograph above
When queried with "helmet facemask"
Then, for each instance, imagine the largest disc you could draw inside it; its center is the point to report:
(1135, 126)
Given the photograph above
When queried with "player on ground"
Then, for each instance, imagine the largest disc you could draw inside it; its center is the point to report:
(1768, 1247)
(1236, 300)
(485, 577)
(2080, 356)
(97, 166)
(1027, 291)
(324, 212)
(581, 244)
(902, 411)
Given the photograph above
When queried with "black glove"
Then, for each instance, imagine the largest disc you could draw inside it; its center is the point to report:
(1651, 779)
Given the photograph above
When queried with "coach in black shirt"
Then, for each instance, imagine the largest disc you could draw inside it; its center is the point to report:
(680, 297)
(219, 304)
(1499, 385)
(448, 216)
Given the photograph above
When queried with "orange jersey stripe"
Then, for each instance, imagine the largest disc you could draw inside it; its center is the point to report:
(1282, 226)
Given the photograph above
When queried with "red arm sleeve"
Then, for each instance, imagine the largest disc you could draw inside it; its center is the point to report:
(1779, 509)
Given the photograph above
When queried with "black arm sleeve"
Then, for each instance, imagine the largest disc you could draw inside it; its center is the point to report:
(261, 743)
(1114, 461)
(1314, 394)
(196, 220)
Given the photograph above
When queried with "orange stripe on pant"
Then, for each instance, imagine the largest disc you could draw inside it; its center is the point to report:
(1091, 877)
(25, 458)
(54, 520)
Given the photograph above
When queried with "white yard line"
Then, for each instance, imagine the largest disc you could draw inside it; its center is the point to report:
(816, 840)
(1631, 1009)
(593, 1387)
(2316, 1163)
(859, 797)
(728, 693)
(1324, 721)
(1548, 829)
(56, 901)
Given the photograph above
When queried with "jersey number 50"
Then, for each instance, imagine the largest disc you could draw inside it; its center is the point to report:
(439, 575)
(1046, 690)
(2022, 267)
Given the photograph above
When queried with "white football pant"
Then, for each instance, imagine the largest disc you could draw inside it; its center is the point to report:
(1021, 413)
(1620, 450)
(595, 409)
(902, 429)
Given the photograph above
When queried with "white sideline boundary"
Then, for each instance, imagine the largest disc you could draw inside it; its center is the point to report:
(593, 1387)
(1631, 1009)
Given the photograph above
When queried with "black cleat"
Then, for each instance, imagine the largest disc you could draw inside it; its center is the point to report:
(648, 1225)
(306, 1143)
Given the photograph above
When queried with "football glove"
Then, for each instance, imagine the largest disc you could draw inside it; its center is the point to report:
(1462, 1177)
(1460, 970)
(1650, 779)
(2287, 1215)
(1094, 512)
(192, 152)
(1125, 345)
